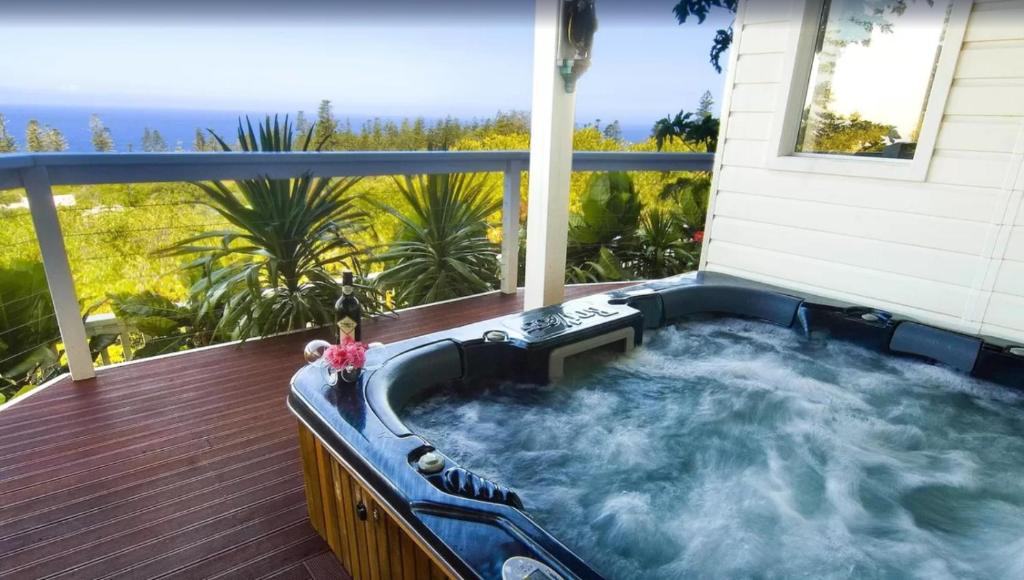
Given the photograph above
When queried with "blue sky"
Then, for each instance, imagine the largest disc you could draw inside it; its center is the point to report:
(431, 64)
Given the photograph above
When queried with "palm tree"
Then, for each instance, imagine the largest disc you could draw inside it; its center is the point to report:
(271, 270)
(442, 250)
(698, 129)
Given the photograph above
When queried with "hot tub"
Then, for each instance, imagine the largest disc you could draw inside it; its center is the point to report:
(393, 504)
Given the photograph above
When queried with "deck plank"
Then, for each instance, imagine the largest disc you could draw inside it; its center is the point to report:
(184, 466)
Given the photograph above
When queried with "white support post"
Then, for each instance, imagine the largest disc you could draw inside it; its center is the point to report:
(510, 228)
(58, 272)
(553, 120)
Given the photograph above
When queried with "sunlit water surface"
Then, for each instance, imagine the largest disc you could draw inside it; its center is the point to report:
(733, 449)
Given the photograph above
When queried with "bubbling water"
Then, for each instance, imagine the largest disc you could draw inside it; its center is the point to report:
(729, 449)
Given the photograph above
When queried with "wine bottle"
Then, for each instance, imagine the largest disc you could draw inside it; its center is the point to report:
(347, 312)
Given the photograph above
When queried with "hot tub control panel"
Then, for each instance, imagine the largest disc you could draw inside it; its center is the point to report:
(579, 315)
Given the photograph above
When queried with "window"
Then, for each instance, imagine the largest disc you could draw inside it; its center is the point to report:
(871, 76)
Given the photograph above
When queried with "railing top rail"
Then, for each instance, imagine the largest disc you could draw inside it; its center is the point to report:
(95, 168)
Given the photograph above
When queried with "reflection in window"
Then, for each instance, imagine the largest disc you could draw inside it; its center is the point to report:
(874, 62)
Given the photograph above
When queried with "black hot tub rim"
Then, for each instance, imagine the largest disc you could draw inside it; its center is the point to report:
(362, 426)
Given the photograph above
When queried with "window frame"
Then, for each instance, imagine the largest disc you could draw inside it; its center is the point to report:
(798, 60)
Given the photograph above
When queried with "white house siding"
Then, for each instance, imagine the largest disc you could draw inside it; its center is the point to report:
(948, 250)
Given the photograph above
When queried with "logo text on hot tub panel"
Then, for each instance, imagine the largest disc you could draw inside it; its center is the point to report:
(558, 320)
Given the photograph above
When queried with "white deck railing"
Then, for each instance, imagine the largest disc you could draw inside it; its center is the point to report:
(37, 173)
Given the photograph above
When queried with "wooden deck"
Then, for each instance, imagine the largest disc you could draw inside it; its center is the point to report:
(186, 466)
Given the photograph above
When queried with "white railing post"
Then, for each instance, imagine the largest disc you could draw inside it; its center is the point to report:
(552, 118)
(58, 272)
(510, 228)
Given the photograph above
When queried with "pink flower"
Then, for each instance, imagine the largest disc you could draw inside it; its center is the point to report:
(348, 353)
(698, 236)
(336, 355)
(356, 353)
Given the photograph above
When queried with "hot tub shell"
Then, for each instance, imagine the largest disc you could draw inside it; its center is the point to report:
(384, 517)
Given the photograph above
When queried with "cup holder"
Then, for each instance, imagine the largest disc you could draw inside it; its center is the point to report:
(869, 315)
(520, 567)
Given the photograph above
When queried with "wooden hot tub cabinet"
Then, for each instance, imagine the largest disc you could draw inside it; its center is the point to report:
(363, 532)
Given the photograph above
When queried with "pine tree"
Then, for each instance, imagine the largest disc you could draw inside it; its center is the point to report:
(199, 143)
(613, 131)
(301, 129)
(7, 142)
(54, 140)
(101, 139)
(706, 102)
(326, 125)
(301, 123)
(153, 141)
(159, 145)
(34, 141)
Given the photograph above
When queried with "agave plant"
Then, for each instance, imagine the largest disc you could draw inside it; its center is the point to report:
(663, 247)
(271, 271)
(442, 250)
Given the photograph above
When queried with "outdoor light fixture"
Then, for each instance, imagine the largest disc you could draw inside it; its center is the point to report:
(579, 21)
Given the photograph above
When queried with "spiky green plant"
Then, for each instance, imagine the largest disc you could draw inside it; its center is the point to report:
(273, 269)
(442, 250)
(663, 247)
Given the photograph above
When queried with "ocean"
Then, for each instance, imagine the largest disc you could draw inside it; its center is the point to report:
(177, 126)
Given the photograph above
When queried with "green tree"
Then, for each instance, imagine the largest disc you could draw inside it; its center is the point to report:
(835, 133)
(35, 140)
(153, 141)
(706, 102)
(510, 123)
(613, 131)
(158, 141)
(862, 18)
(54, 140)
(199, 141)
(7, 142)
(271, 270)
(101, 139)
(696, 129)
(302, 127)
(700, 9)
(325, 127)
(442, 250)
